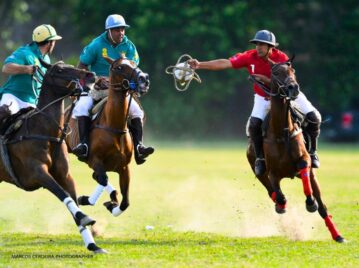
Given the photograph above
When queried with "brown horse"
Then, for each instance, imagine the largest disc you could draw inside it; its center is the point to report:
(284, 148)
(34, 155)
(110, 146)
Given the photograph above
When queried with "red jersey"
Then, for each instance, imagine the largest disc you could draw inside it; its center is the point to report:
(257, 65)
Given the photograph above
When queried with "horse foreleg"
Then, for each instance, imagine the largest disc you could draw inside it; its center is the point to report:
(277, 195)
(100, 176)
(304, 171)
(322, 210)
(89, 241)
(124, 177)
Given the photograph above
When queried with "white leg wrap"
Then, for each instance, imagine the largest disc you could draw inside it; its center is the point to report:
(71, 205)
(109, 188)
(96, 194)
(86, 235)
(116, 211)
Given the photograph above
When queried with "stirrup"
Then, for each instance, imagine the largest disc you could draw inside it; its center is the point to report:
(144, 151)
(315, 160)
(81, 150)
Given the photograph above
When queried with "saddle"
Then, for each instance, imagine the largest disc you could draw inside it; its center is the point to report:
(10, 123)
(298, 118)
(100, 94)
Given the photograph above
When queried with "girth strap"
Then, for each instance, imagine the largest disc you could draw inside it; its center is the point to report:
(34, 137)
(6, 161)
(113, 130)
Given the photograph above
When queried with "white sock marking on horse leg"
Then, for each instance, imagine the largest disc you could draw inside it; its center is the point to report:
(116, 211)
(96, 194)
(71, 205)
(86, 235)
(109, 188)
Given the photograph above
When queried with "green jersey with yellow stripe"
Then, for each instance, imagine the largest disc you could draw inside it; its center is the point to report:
(23, 86)
(92, 55)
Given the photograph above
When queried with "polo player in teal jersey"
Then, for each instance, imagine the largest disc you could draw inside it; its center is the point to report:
(112, 43)
(21, 89)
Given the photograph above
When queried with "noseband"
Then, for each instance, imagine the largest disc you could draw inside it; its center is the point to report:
(282, 86)
(128, 83)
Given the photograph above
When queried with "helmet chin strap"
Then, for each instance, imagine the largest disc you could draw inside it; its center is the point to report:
(109, 31)
(267, 54)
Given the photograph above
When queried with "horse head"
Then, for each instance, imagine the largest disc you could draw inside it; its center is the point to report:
(283, 80)
(126, 76)
(65, 79)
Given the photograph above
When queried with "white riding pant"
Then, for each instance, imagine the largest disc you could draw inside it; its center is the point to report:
(15, 104)
(85, 104)
(262, 106)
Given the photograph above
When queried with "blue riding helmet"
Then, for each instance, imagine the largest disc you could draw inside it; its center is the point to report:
(264, 36)
(114, 21)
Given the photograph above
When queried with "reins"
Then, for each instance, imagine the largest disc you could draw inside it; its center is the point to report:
(125, 85)
(36, 111)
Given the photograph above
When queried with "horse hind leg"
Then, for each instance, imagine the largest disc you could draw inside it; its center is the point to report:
(322, 210)
(81, 219)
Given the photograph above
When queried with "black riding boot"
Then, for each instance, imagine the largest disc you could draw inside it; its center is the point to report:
(313, 129)
(255, 133)
(141, 151)
(81, 150)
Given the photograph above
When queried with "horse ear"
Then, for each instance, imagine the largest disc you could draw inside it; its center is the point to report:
(45, 64)
(108, 59)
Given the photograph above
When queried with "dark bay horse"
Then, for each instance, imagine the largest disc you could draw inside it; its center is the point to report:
(285, 151)
(110, 146)
(34, 155)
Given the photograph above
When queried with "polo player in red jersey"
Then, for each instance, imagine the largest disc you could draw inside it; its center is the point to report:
(257, 61)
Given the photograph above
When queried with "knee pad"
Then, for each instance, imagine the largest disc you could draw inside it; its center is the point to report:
(314, 120)
(314, 117)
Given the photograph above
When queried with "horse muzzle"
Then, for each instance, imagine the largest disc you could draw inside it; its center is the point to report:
(293, 91)
(143, 83)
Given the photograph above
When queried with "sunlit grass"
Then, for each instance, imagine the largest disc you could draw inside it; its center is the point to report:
(205, 207)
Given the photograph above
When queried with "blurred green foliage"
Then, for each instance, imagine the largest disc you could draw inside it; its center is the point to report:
(321, 34)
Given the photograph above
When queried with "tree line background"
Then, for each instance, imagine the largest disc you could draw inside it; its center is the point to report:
(322, 34)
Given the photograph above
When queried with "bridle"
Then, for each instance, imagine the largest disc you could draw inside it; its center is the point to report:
(131, 82)
(49, 80)
(282, 86)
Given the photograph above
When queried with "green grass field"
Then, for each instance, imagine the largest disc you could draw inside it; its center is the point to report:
(204, 207)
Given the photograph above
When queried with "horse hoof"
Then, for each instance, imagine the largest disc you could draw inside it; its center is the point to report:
(113, 208)
(280, 209)
(313, 207)
(83, 200)
(101, 251)
(340, 239)
(95, 249)
(87, 221)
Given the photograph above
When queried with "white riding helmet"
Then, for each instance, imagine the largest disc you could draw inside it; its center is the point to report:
(45, 32)
(114, 21)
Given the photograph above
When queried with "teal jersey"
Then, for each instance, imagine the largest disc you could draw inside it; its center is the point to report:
(92, 55)
(23, 86)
